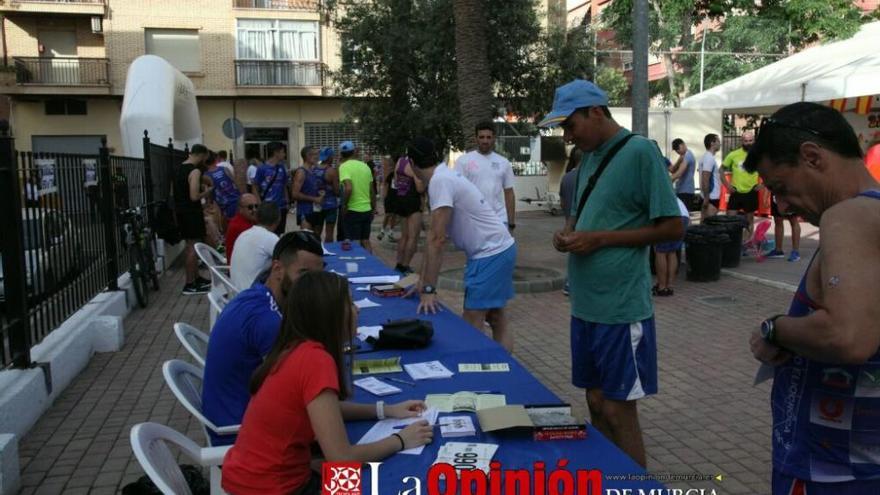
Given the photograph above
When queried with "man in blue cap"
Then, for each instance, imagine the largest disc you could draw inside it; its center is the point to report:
(624, 202)
(358, 195)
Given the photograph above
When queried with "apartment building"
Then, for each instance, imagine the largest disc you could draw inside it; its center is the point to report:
(263, 62)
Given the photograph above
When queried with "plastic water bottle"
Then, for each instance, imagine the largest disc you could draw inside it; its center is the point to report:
(317, 207)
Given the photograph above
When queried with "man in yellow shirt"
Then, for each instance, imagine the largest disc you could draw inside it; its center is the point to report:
(743, 185)
(358, 195)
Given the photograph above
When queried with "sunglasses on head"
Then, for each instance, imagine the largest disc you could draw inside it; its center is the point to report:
(768, 123)
(301, 240)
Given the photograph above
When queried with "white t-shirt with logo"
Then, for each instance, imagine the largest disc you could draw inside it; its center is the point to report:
(474, 227)
(492, 174)
(251, 255)
(708, 164)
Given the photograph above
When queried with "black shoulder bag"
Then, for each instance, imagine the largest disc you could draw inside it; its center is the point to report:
(403, 334)
(591, 182)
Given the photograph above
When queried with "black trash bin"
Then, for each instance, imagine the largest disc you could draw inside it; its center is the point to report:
(731, 253)
(704, 245)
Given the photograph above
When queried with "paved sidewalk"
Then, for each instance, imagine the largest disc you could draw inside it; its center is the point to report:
(707, 418)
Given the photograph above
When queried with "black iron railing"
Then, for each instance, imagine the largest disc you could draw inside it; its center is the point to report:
(60, 242)
(308, 5)
(278, 73)
(58, 71)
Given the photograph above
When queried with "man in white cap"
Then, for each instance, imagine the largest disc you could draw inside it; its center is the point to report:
(624, 202)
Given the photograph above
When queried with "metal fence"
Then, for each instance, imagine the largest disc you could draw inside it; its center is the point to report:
(518, 149)
(60, 243)
(62, 71)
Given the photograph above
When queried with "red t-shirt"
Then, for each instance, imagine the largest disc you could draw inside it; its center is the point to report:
(236, 226)
(273, 449)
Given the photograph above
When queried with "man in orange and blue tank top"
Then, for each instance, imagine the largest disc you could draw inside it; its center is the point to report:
(826, 390)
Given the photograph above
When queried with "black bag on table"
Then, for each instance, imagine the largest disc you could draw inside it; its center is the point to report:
(404, 334)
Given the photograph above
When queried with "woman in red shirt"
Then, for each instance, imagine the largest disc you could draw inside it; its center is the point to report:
(298, 395)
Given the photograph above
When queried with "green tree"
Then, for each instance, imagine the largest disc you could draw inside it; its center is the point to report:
(398, 72)
(750, 29)
(613, 82)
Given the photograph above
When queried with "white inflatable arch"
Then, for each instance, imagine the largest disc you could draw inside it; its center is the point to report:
(162, 101)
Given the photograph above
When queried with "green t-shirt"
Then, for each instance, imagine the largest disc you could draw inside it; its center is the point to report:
(361, 178)
(613, 285)
(740, 179)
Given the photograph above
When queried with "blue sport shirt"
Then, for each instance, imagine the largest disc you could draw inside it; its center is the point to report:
(242, 336)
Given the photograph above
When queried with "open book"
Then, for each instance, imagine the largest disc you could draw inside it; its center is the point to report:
(464, 401)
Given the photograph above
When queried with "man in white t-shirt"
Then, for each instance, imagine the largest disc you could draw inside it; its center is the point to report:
(491, 173)
(252, 253)
(223, 162)
(459, 210)
(710, 176)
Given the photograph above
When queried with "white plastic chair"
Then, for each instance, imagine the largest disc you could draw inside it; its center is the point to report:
(149, 441)
(193, 340)
(185, 382)
(219, 268)
(218, 302)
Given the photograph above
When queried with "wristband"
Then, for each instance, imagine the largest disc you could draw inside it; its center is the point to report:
(402, 445)
(380, 410)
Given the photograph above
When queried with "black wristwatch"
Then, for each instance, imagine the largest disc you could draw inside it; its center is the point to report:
(768, 329)
(511, 226)
(429, 289)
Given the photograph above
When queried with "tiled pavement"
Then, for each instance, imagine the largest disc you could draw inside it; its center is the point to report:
(707, 418)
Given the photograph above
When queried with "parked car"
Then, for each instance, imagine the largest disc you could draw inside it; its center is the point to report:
(52, 251)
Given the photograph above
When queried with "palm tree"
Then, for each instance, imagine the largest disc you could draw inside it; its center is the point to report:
(472, 65)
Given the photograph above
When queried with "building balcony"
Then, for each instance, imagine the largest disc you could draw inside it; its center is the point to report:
(84, 7)
(297, 5)
(49, 75)
(278, 73)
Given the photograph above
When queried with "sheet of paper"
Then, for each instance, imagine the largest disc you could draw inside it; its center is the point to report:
(429, 370)
(467, 456)
(376, 366)
(364, 332)
(376, 279)
(365, 288)
(384, 428)
(376, 387)
(481, 367)
(352, 257)
(764, 373)
(366, 303)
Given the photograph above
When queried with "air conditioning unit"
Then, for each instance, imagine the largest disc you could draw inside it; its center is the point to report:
(97, 24)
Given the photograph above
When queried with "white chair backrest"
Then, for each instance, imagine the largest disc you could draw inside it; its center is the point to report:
(209, 255)
(218, 302)
(221, 282)
(148, 440)
(193, 340)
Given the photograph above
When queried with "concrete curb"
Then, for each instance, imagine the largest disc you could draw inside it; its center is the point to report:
(758, 280)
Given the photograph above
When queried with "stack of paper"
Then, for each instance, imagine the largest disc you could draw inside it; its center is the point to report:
(385, 428)
(366, 303)
(430, 370)
(376, 387)
(457, 426)
(467, 456)
(376, 279)
(464, 401)
(374, 366)
(481, 367)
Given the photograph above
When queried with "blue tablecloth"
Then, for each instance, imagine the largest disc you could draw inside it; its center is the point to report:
(457, 342)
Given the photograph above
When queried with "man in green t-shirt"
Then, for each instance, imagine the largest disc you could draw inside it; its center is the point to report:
(358, 196)
(632, 206)
(743, 185)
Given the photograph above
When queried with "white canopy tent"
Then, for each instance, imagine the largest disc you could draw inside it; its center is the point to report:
(843, 69)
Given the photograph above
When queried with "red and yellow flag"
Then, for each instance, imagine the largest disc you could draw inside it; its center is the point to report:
(863, 104)
(838, 104)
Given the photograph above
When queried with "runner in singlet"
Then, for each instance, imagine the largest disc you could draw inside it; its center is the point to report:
(826, 350)
(225, 193)
(408, 208)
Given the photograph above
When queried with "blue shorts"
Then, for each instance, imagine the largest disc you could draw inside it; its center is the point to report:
(620, 359)
(673, 246)
(788, 485)
(488, 282)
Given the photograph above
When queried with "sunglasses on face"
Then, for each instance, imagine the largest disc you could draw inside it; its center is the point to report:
(252, 207)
